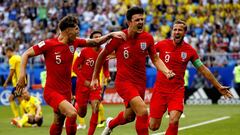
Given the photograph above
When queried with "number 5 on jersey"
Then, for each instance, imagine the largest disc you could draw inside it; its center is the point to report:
(58, 59)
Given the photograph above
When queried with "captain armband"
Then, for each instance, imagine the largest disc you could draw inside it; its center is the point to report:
(197, 63)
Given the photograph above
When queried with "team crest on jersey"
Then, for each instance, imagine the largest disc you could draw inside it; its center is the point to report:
(183, 55)
(71, 48)
(143, 45)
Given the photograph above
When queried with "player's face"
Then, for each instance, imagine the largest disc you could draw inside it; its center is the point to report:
(137, 23)
(178, 33)
(97, 35)
(25, 94)
(8, 54)
(73, 33)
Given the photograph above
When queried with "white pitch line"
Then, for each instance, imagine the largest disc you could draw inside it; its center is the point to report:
(198, 124)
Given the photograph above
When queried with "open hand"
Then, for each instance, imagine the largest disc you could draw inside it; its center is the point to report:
(94, 84)
(225, 92)
(21, 84)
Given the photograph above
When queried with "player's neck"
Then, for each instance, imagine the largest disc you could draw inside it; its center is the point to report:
(131, 33)
(177, 44)
(28, 98)
(63, 39)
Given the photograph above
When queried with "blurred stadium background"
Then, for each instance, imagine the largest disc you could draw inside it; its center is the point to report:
(213, 30)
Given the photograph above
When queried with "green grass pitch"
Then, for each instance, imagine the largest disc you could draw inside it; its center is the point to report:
(194, 114)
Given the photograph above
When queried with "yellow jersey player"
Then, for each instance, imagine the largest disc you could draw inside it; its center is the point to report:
(32, 112)
(14, 66)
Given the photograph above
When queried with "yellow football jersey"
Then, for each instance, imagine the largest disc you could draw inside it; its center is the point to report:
(14, 64)
(30, 107)
(76, 54)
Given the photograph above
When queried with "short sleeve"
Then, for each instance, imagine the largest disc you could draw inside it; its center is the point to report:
(113, 44)
(194, 55)
(80, 42)
(157, 47)
(151, 48)
(40, 48)
(12, 63)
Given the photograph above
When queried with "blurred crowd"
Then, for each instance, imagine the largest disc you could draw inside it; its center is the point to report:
(213, 25)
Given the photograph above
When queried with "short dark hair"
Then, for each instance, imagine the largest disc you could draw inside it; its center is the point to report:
(9, 48)
(95, 32)
(68, 21)
(134, 10)
(181, 22)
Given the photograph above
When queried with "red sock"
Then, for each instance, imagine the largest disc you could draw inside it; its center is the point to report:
(172, 129)
(55, 129)
(71, 126)
(142, 125)
(119, 120)
(93, 123)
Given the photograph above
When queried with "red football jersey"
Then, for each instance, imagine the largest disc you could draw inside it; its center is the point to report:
(176, 59)
(131, 57)
(85, 63)
(58, 59)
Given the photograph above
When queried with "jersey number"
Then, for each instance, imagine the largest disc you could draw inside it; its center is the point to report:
(58, 59)
(167, 58)
(125, 54)
(90, 62)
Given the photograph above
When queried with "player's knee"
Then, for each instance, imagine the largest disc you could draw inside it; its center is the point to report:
(143, 111)
(95, 107)
(39, 122)
(82, 111)
(71, 114)
(154, 126)
(174, 120)
(130, 118)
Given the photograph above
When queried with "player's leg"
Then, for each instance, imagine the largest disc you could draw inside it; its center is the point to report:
(20, 122)
(140, 108)
(94, 117)
(56, 127)
(81, 120)
(158, 106)
(175, 109)
(39, 121)
(101, 116)
(122, 118)
(82, 124)
(67, 109)
(174, 117)
(13, 104)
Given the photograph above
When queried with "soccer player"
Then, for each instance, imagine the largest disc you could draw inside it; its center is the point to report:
(58, 53)
(131, 75)
(14, 66)
(32, 112)
(169, 94)
(83, 67)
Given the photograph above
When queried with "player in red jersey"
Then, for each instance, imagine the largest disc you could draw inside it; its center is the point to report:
(131, 75)
(83, 67)
(169, 94)
(58, 53)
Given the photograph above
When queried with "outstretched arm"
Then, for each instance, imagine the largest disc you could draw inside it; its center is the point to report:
(162, 67)
(21, 81)
(99, 63)
(207, 74)
(105, 38)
